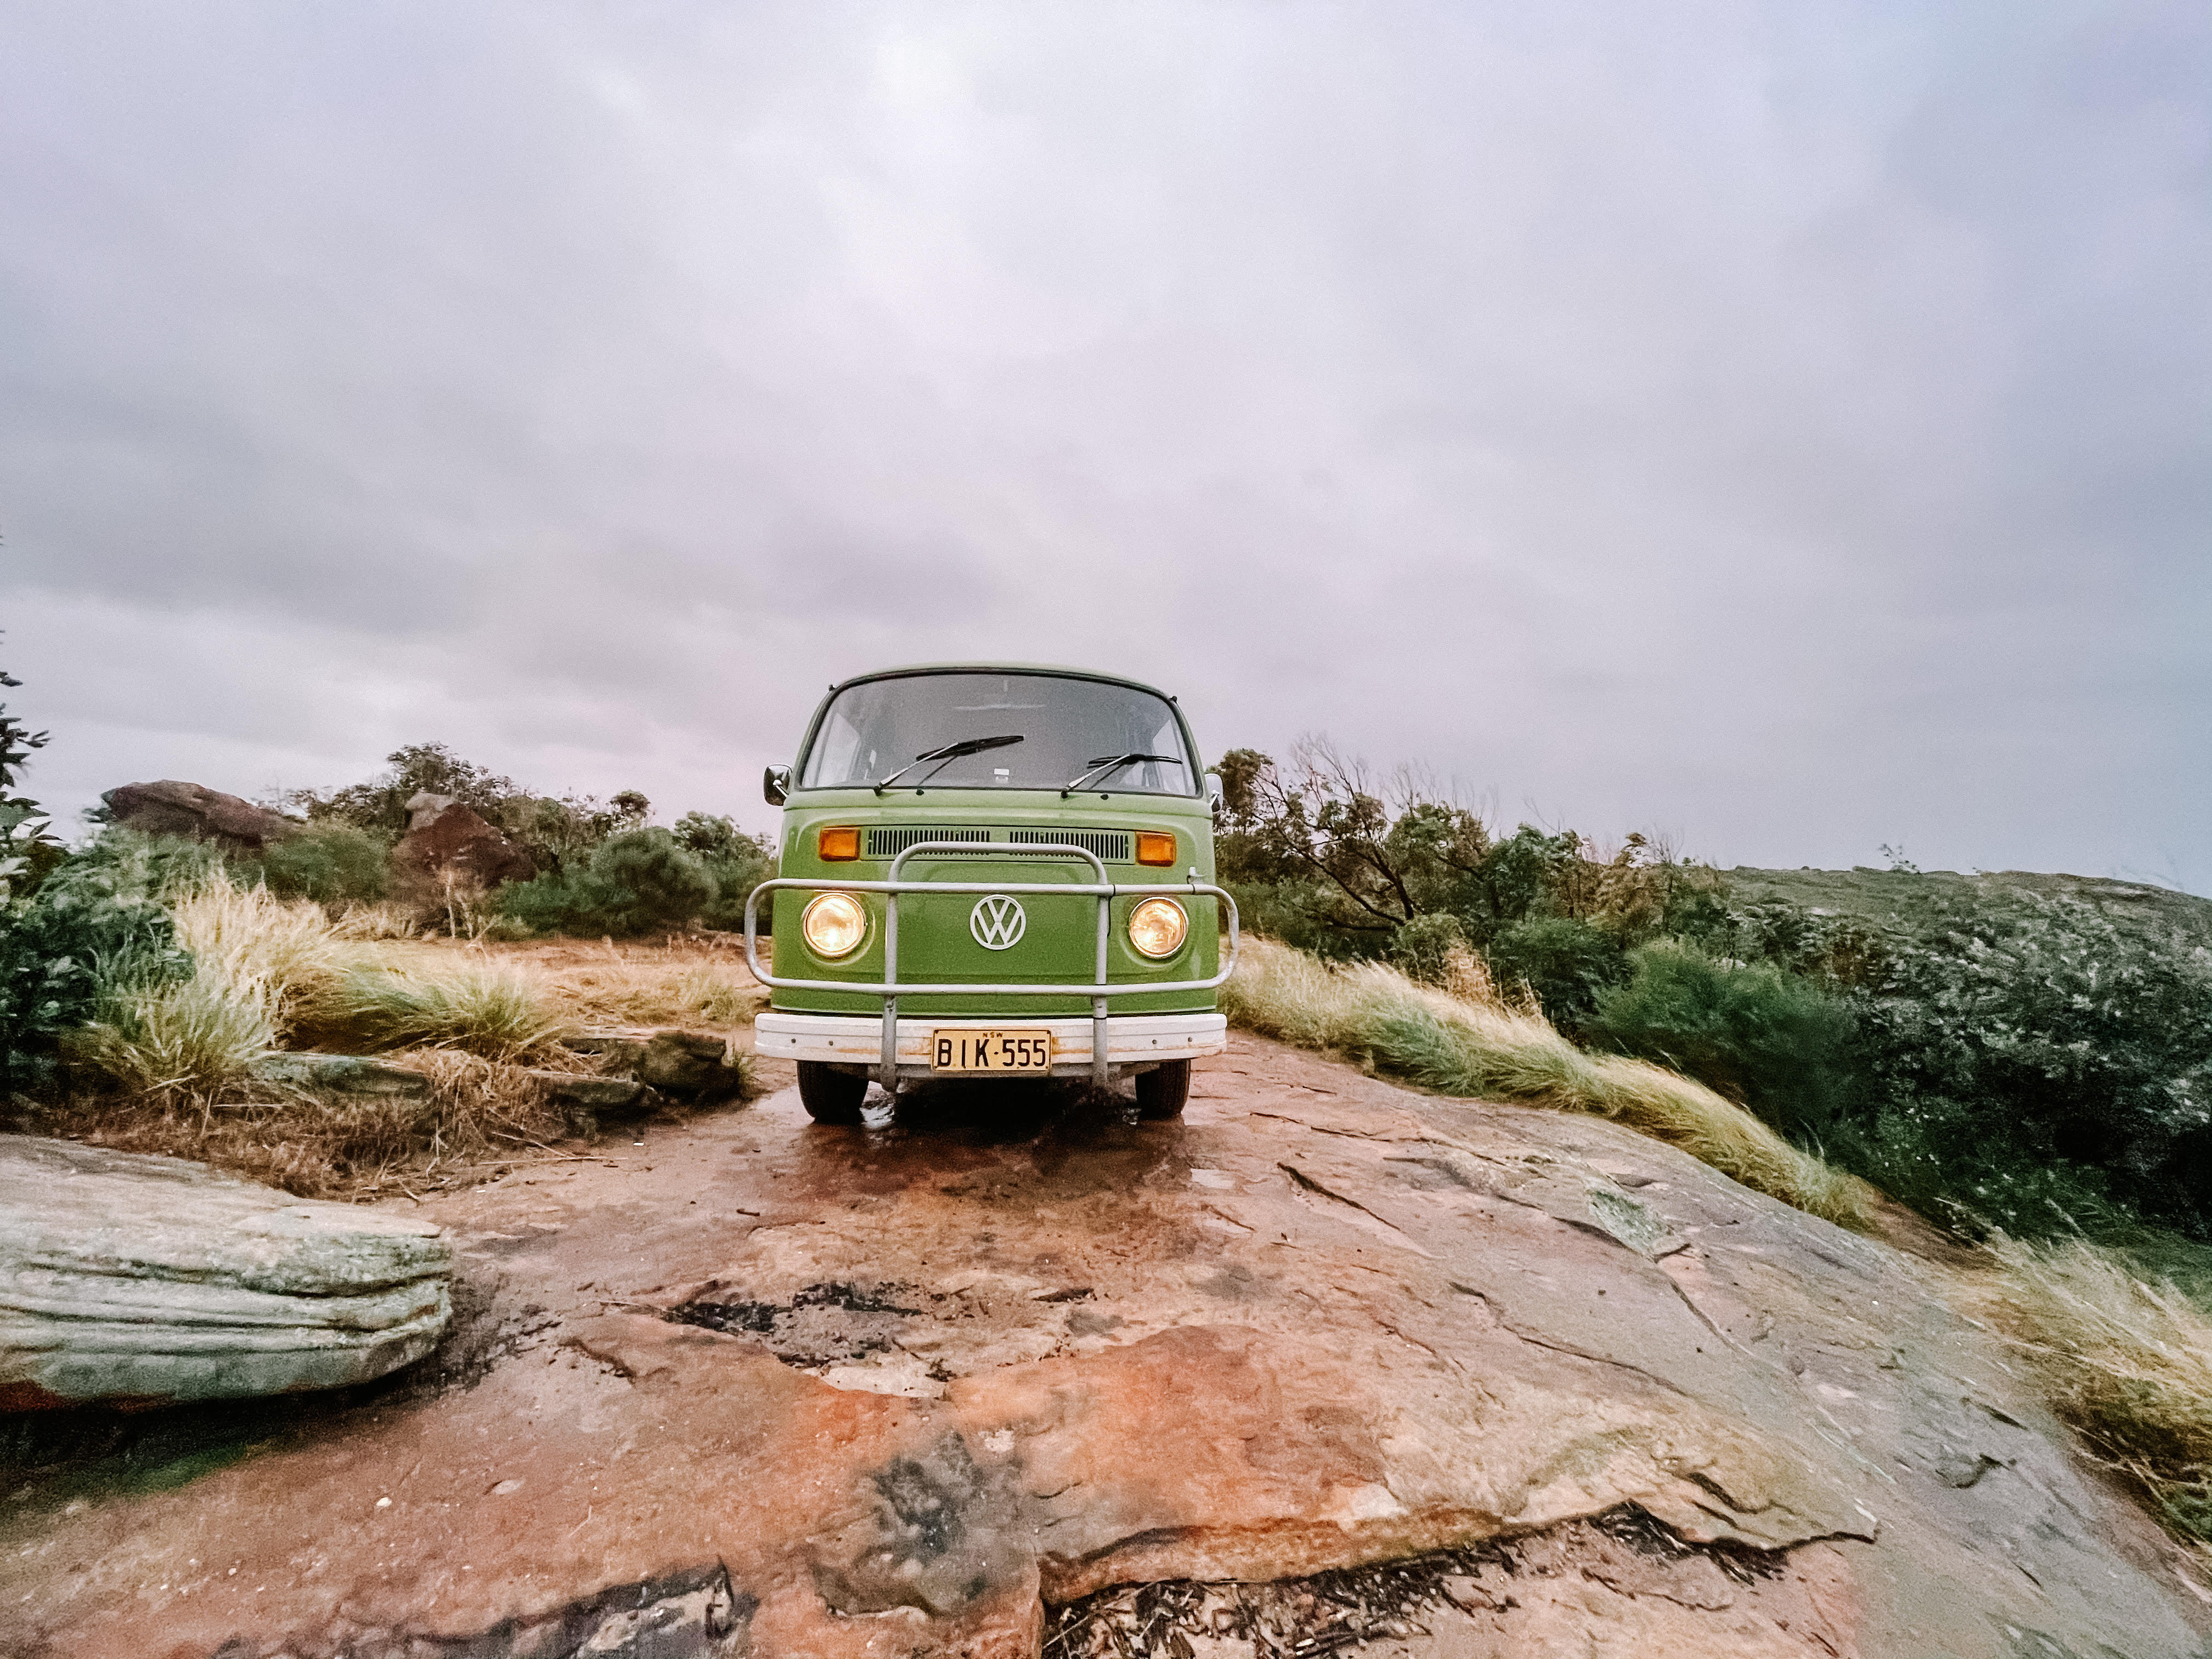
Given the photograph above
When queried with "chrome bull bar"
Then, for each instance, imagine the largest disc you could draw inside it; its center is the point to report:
(890, 989)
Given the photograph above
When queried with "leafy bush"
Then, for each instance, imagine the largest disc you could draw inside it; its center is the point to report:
(1776, 1041)
(2034, 1064)
(331, 862)
(1567, 964)
(1321, 854)
(96, 921)
(1422, 949)
(645, 881)
(650, 880)
(736, 863)
(2042, 1058)
(28, 850)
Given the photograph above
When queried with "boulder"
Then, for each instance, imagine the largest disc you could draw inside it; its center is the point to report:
(690, 1066)
(594, 1094)
(584, 1098)
(346, 1075)
(134, 1279)
(458, 848)
(171, 808)
(421, 806)
(618, 1052)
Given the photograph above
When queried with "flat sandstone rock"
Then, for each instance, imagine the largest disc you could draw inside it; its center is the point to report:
(125, 1276)
(803, 1393)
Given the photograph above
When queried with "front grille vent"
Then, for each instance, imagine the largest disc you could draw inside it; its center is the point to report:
(1112, 845)
(890, 843)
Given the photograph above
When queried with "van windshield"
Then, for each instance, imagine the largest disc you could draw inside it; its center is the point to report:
(1068, 729)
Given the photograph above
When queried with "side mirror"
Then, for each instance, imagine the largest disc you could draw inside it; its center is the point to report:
(1214, 798)
(775, 785)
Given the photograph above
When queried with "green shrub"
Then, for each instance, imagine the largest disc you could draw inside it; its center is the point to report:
(1772, 1041)
(2040, 1057)
(650, 880)
(551, 904)
(332, 863)
(1423, 948)
(646, 881)
(95, 921)
(735, 862)
(712, 835)
(1568, 964)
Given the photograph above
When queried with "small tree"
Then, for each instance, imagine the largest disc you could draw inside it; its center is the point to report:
(1379, 853)
(67, 926)
(379, 806)
(28, 847)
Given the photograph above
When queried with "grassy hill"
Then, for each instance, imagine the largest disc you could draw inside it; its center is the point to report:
(1877, 897)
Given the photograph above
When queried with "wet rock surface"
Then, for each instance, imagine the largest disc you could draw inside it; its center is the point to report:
(130, 1277)
(963, 1384)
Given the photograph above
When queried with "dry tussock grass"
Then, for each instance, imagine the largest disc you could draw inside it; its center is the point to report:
(175, 1063)
(269, 973)
(480, 1118)
(480, 1007)
(1469, 1039)
(609, 985)
(2125, 1360)
(381, 921)
(257, 962)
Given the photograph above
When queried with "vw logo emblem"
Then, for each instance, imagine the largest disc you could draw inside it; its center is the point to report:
(997, 921)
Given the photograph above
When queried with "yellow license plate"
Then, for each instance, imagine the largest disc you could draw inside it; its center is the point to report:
(1018, 1049)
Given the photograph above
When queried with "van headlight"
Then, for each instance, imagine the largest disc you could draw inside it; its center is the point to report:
(1157, 927)
(835, 924)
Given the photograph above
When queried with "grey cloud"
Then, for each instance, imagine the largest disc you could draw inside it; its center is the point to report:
(1786, 425)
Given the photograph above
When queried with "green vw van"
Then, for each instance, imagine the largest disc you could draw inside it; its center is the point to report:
(994, 872)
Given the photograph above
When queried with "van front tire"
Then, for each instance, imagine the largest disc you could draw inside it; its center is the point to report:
(1162, 1092)
(829, 1095)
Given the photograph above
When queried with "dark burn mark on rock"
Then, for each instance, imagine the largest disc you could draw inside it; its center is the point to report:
(1651, 1537)
(1234, 1282)
(944, 1532)
(834, 1322)
(927, 1505)
(693, 1614)
(1335, 1611)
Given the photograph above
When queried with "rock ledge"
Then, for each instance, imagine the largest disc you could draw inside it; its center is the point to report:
(128, 1277)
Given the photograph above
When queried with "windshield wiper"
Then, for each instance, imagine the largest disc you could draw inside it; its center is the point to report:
(1110, 763)
(951, 751)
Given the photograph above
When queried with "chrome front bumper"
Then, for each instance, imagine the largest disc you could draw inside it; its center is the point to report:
(889, 1067)
(1134, 1042)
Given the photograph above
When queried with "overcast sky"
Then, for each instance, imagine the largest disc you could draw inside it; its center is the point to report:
(1787, 427)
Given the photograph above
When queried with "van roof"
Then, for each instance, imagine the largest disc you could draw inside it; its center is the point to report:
(1056, 670)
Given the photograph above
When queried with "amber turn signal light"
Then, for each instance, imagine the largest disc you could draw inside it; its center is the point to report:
(1155, 847)
(839, 841)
